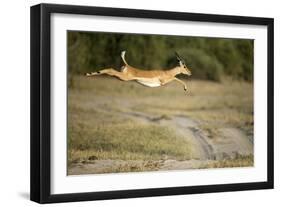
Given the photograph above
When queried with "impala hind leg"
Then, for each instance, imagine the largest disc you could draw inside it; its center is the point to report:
(111, 72)
(104, 71)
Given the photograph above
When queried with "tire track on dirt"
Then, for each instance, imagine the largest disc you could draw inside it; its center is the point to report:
(191, 127)
(183, 125)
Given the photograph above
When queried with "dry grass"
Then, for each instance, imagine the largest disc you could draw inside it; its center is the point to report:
(241, 161)
(97, 127)
(135, 167)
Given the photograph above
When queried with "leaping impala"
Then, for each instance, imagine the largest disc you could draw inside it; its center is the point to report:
(150, 78)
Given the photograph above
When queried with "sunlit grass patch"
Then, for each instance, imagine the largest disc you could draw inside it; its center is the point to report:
(127, 141)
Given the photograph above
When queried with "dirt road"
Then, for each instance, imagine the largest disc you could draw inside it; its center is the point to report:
(231, 143)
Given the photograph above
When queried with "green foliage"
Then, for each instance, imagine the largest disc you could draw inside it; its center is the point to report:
(208, 58)
(236, 56)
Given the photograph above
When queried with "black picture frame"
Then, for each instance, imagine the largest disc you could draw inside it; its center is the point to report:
(41, 99)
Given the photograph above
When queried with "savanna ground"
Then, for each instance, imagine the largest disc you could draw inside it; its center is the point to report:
(116, 126)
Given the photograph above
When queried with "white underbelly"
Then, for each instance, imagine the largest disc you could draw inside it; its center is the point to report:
(150, 82)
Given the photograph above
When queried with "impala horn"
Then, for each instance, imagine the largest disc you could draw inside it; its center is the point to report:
(179, 57)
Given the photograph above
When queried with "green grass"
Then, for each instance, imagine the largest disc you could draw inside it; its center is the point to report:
(126, 141)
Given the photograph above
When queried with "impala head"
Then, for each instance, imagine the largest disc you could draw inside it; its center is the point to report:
(183, 68)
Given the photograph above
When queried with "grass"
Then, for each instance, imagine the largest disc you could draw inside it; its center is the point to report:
(240, 161)
(99, 129)
(126, 141)
(135, 167)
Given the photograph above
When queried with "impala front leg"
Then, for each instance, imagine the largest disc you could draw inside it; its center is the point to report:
(181, 82)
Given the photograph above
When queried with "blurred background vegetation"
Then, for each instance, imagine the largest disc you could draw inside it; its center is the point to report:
(208, 58)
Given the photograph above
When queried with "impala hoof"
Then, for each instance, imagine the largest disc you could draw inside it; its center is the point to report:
(92, 74)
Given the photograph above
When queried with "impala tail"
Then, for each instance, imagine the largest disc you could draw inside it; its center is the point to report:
(123, 53)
